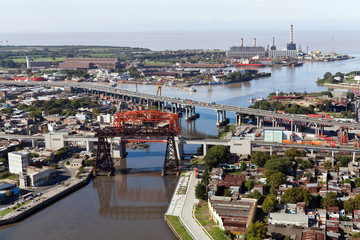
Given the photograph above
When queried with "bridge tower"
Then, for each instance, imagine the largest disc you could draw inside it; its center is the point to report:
(144, 126)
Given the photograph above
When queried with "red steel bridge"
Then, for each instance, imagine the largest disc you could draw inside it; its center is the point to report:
(142, 125)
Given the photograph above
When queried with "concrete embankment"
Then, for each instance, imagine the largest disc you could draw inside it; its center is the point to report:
(45, 200)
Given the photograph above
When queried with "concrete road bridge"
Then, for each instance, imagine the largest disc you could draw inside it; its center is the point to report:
(188, 106)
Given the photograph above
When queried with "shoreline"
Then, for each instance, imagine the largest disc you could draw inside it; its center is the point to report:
(46, 200)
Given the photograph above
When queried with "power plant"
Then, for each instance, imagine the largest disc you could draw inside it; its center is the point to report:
(251, 51)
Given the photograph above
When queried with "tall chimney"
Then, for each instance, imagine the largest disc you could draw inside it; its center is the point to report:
(254, 42)
(273, 41)
(242, 42)
(291, 34)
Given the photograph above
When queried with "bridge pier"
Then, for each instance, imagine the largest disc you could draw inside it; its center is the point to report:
(238, 119)
(221, 119)
(190, 113)
(89, 146)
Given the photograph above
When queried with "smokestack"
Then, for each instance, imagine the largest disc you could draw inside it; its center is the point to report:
(27, 62)
(254, 42)
(273, 41)
(242, 42)
(291, 34)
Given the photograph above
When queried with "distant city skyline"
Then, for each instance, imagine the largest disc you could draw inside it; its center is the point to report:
(186, 15)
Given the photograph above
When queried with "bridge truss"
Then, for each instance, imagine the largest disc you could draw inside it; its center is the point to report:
(142, 125)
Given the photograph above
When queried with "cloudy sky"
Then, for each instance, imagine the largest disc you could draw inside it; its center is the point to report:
(181, 15)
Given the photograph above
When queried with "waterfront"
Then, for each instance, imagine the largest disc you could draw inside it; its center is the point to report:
(118, 206)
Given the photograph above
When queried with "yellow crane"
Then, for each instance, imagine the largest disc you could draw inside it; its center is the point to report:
(159, 85)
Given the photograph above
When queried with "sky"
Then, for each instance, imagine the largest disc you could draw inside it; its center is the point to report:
(18, 16)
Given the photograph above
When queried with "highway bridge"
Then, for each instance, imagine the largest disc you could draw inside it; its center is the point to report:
(188, 106)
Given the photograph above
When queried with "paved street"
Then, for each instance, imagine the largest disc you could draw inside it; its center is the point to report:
(186, 214)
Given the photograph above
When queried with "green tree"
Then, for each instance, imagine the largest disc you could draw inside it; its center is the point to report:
(134, 73)
(215, 155)
(256, 231)
(259, 158)
(200, 191)
(283, 164)
(350, 95)
(293, 152)
(357, 182)
(243, 166)
(328, 166)
(269, 204)
(45, 130)
(330, 200)
(295, 195)
(276, 179)
(35, 114)
(249, 184)
(306, 164)
(350, 205)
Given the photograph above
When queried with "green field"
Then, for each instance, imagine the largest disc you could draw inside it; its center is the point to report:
(23, 60)
(156, 63)
(203, 216)
(180, 229)
(103, 55)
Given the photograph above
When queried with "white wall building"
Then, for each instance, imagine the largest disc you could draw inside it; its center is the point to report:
(18, 161)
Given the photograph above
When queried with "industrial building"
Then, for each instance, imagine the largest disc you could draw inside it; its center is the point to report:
(89, 63)
(37, 64)
(18, 161)
(232, 215)
(6, 187)
(37, 176)
(245, 51)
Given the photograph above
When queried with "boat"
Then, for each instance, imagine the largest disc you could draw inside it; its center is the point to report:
(252, 100)
(249, 63)
(33, 79)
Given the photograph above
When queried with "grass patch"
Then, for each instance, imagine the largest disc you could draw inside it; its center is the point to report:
(3, 213)
(228, 128)
(156, 63)
(203, 216)
(179, 228)
(23, 60)
(235, 173)
(184, 174)
(217, 234)
(182, 190)
(196, 161)
(103, 55)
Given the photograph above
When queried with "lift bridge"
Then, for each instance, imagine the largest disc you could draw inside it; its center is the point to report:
(144, 126)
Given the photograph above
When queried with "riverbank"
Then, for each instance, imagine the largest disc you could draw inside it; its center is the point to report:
(343, 86)
(47, 198)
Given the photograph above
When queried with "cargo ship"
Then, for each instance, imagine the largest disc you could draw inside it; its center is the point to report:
(33, 79)
(248, 63)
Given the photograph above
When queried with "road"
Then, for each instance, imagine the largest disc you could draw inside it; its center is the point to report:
(188, 102)
(186, 213)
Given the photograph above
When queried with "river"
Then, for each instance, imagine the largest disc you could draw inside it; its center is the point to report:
(131, 206)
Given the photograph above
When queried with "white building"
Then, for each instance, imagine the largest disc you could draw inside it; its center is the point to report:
(18, 161)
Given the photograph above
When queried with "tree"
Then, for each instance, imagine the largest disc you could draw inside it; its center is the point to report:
(295, 195)
(357, 182)
(328, 166)
(259, 158)
(269, 204)
(249, 184)
(45, 130)
(243, 166)
(200, 191)
(215, 155)
(256, 231)
(35, 114)
(279, 164)
(134, 73)
(293, 152)
(276, 179)
(350, 205)
(306, 164)
(330, 200)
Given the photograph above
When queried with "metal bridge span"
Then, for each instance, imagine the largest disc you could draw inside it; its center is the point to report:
(189, 105)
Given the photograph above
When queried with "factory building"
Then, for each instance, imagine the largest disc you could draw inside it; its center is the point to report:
(282, 53)
(247, 51)
(37, 64)
(18, 161)
(88, 63)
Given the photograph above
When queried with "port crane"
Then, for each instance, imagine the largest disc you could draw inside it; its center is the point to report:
(159, 85)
